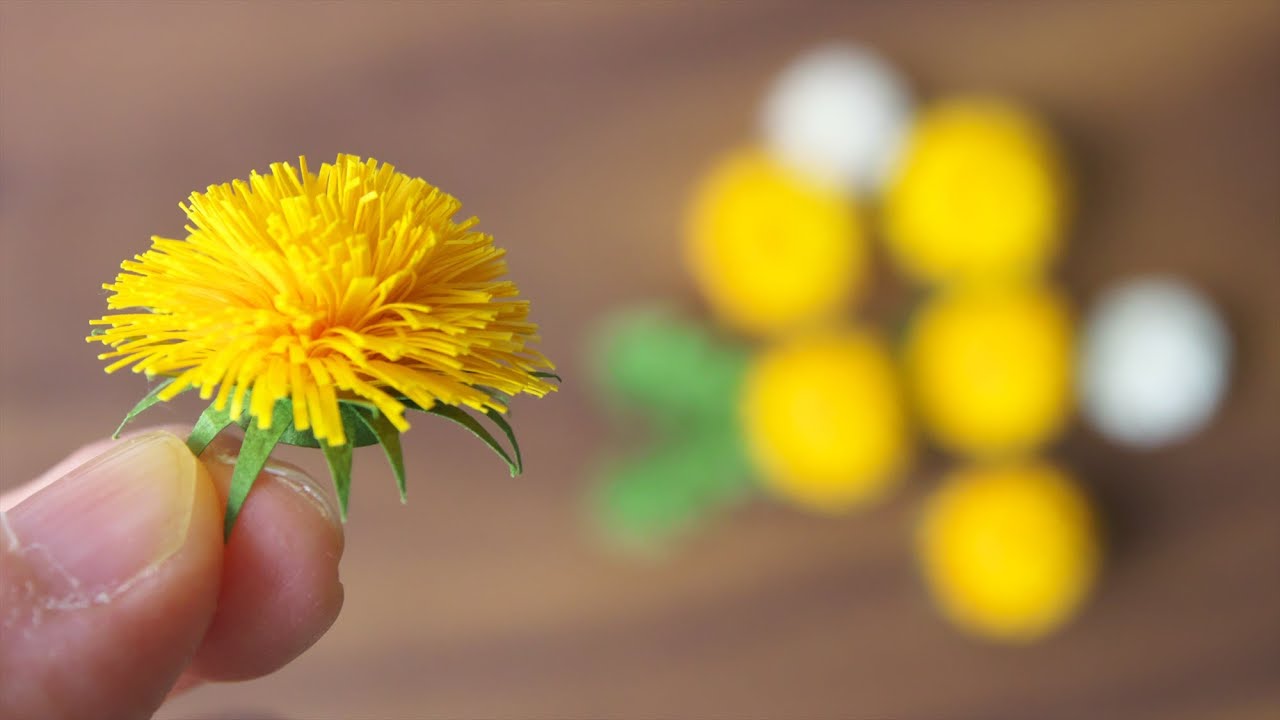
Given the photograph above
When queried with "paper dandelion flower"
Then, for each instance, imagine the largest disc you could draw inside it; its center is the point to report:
(1009, 550)
(316, 308)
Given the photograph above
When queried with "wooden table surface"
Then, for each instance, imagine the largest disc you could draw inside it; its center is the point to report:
(574, 131)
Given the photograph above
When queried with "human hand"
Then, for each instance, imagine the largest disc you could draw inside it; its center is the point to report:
(116, 589)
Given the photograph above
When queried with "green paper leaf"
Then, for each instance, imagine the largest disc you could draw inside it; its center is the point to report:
(151, 398)
(647, 499)
(678, 373)
(389, 439)
(212, 421)
(449, 412)
(254, 451)
(505, 427)
(339, 459)
(653, 497)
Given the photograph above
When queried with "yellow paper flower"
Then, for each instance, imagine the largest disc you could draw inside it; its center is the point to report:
(1009, 552)
(824, 420)
(342, 297)
(770, 250)
(990, 367)
(980, 194)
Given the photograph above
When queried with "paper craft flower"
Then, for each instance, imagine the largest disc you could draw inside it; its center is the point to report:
(1011, 551)
(1156, 361)
(839, 113)
(981, 193)
(678, 383)
(991, 367)
(825, 420)
(315, 308)
(770, 250)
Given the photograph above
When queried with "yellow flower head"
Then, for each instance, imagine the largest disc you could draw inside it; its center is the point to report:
(990, 367)
(825, 421)
(980, 194)
(1009, 552)
(319, 307)
(353, 282)
(770, 250)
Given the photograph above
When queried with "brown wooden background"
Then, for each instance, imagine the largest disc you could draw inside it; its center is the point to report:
(574, 131)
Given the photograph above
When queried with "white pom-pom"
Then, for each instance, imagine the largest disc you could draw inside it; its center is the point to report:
(841, 114)
(1156, 362)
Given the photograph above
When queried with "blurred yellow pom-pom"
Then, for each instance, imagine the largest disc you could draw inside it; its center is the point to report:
(990, 367)
(980, 193)
(824, 420)
(1009, 552)
(769, 249)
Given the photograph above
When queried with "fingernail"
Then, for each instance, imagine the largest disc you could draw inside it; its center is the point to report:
(116, 516)
(319, 495)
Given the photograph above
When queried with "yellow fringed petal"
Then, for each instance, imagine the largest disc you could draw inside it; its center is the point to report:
(350, 282)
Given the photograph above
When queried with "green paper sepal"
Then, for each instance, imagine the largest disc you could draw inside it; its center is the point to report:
(389, 438)
(151, 398)
(362, 422)
(339, 459)
(460, 417)
(259, 443)
(254, 451)
(497, 419)
(210, 423)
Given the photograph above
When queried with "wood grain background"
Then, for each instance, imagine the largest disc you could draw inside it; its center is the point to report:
(574, 130)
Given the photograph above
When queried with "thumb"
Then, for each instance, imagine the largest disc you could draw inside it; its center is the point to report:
(108, 580)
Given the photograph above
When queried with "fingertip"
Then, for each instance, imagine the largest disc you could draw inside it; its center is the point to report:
(78, 457)
(118, 565)
(280, 586)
